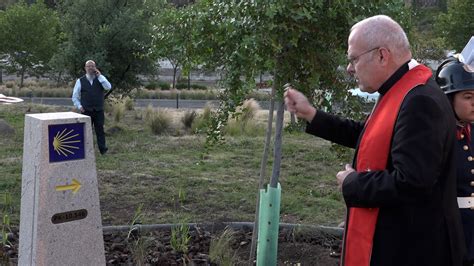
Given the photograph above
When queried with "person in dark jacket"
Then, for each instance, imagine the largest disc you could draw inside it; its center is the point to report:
(88, 97)
(400, 191)
(456, 79)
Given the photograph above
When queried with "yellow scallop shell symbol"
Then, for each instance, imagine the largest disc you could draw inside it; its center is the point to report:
(63, 144)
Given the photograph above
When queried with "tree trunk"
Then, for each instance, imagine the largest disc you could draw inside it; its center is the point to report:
(189, 79)
(175, 70)
(263, 169)
(58, 81)
(22, 77)
(1, 76)
(277, 146)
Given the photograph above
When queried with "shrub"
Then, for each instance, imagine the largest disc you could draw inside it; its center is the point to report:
(159, 122)
(198, 87)
(188, 118)
(152, 85)
(182, 86)
(10, 84)
(198, 95)
(164, 86)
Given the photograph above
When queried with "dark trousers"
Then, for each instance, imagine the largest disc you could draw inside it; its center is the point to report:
(97, 118)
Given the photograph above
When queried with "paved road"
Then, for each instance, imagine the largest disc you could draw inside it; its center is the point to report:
(186, 104)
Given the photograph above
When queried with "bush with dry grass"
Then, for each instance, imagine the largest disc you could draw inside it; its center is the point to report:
(159, 121)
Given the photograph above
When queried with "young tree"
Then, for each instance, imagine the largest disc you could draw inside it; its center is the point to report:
(302, 42)
(29, 38)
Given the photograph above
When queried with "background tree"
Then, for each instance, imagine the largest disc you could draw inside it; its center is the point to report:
(116, 34)
(29, 38)
(172, 39)
(456, 26)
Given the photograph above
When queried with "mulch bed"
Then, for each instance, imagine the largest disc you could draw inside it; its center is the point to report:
(154, 248)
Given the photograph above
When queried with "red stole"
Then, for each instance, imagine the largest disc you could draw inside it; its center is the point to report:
(374, 150)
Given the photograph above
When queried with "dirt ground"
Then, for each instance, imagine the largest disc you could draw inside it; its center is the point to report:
(154, 248)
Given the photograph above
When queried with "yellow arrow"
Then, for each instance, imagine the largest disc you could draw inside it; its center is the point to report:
(75, 186)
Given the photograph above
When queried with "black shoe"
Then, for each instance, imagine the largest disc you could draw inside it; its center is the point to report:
(104, 151)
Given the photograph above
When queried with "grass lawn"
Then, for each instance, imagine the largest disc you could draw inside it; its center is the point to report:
(176, 178)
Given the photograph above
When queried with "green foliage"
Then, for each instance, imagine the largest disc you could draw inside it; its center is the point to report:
(203, 120)
(172, 38)
(221, 251)
(424, 42)
(457, 25)
(302, 42)
(29, 38)
(115, 34)
(181, 86)
(151, 85)
(180, 238)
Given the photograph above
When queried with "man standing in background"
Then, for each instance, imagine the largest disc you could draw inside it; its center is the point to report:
(88, 98)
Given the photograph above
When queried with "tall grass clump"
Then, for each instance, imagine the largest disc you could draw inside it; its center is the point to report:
(188, 119)
(138, 244)
(129, 104)
(249, 110)
(245, 123)
(158, 121)
(148, 113)
(118, 111)
(202, 121)
(220, 249)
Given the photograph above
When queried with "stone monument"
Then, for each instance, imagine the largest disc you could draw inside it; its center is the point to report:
(60, 221)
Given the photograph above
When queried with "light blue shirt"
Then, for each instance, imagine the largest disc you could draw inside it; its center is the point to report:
(76, 93)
